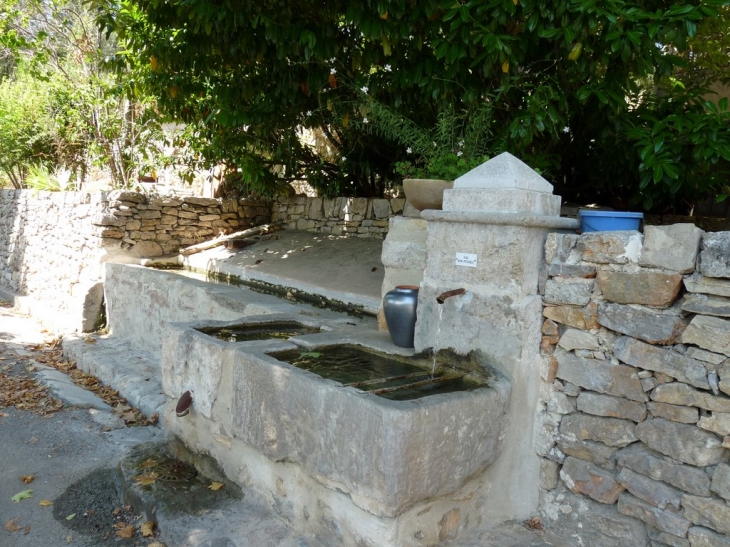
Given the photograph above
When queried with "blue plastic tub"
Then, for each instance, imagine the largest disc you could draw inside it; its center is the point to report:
(601, 221)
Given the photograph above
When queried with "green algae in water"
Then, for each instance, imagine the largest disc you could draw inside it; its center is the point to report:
(384, 376)
(266, 331)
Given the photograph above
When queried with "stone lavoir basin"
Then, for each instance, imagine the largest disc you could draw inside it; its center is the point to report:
(282, 330)
(377, 429)
(393, 377)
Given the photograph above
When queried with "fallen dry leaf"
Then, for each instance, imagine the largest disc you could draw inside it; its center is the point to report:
(146, 479)
(25, 393)
(71, 516)
(27, 479)
(12, 525)
(26, 531)
(215, 486)
(126, 532)
(150, 462)
(148, 529)
(45, 503)
(2, 415)
(69, 539)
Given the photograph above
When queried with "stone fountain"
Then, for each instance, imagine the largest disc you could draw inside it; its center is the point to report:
(358, 469)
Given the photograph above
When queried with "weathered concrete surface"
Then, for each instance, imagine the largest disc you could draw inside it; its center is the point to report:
(141, 300)
(133, 372)
(403, 256)
(298, 259)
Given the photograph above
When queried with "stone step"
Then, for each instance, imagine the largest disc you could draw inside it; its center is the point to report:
(135, 373)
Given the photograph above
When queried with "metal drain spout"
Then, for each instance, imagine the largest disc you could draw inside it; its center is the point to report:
(448, 294)
(183, 404)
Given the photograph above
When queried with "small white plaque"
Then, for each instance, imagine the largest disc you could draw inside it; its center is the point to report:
(466, 259)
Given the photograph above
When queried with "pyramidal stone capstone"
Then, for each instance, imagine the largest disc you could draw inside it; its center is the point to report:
(504, 172)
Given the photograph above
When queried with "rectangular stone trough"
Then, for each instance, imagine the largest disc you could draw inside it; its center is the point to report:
(381, 455)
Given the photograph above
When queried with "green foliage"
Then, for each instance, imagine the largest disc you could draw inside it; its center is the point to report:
(25, 139)
(84, 114)
(682, 149)
(41, 179)
(564, 80)
(455, 145)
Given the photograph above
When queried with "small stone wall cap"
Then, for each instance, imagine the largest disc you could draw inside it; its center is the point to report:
(504, 172)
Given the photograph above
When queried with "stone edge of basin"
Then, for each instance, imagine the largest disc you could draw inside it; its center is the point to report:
(504, 219)
(402, 454)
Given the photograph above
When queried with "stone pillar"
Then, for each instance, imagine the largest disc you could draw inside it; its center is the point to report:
(489, 239)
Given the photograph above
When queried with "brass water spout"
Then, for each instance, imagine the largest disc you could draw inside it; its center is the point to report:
(448, 294)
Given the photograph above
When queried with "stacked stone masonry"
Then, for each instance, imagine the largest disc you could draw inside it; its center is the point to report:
(634, 421)
(363, 217)
(149, 225)
(53, 244)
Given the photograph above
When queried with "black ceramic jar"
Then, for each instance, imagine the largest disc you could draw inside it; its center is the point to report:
(399, 306)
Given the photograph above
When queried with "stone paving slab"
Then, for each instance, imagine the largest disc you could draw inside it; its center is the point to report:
(61, 387)
(135, 373)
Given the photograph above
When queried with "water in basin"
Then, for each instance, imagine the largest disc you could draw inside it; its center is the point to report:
(262, 331)
(387, 376)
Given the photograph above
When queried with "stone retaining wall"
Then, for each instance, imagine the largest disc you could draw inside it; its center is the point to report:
(364, 217)
(53, 244)
(49, 249)
(149, 225)
(634, 426)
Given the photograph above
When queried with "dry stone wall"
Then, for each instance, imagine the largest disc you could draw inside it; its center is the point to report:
(51, 250)
(149, 225)
(53, 244)
(363, 217)
(634, 422)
